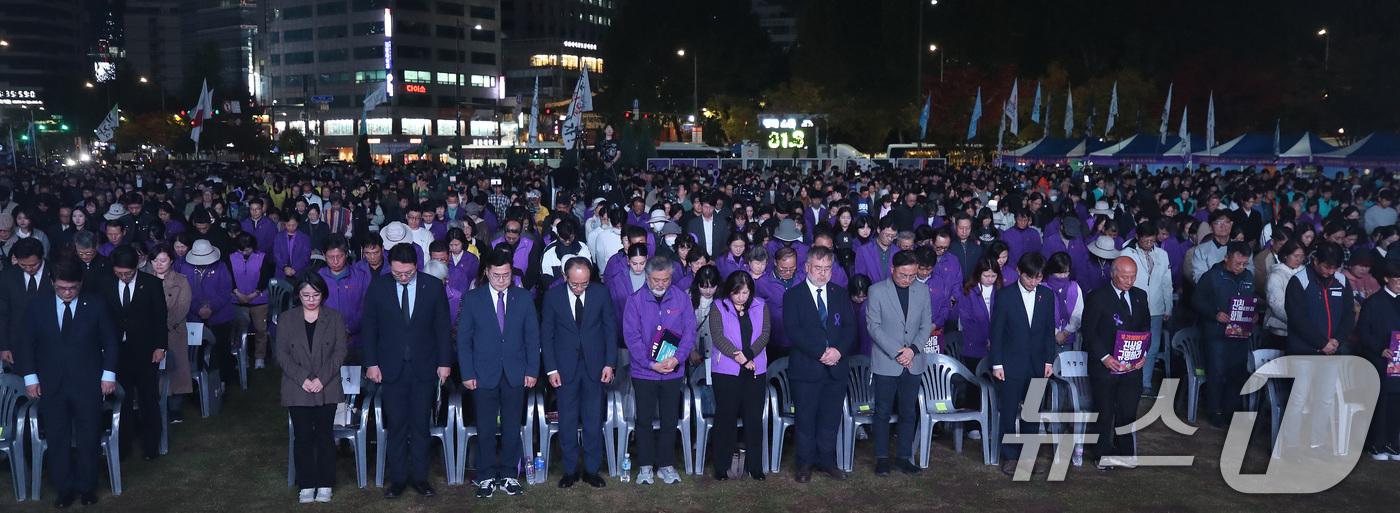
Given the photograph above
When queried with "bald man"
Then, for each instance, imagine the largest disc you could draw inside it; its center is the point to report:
(1116, 311)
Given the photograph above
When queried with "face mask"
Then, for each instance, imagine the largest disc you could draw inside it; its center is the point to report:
(670, 240)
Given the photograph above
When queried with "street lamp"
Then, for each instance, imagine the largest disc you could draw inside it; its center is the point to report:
(696, 62)
(143, 80)
(4, 42)
(941, 58)
(88, 85)
(919, 61)
(1326, 48)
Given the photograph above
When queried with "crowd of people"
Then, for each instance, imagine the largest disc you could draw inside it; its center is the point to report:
(500, 277)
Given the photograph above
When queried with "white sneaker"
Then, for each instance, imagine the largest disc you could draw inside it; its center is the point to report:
(669, 475)
(975, 434)
(308, 495)
(644, 475)
(323, 495)
(259, 365)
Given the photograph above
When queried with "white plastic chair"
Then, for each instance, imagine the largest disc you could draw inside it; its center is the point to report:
(14, 414)
(1072, 391)
(206, 376)
(704, 423)
(781, 410)
(357, 433)
(984, 372)
(241, 354)
(614, 422)
(936, 387)
(1187, 342)
(860, 389)
(110, 443)
(1272, 390)
(164, 412)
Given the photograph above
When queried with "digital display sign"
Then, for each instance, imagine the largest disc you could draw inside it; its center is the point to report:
(415, 88)
(19, 97)
(787, 131)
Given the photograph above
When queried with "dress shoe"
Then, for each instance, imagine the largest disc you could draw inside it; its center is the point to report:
(423, 488)
(834, 472)
(594, 480)
(568, 480)
(152, 456)
(1217, 420)
(908, 468)
(394, 491)
(804, 474)
(65, 499)
(89, 498)
(721, 476)
(757, 475)
(882, 467)
(1008, 467)
(1040, 467)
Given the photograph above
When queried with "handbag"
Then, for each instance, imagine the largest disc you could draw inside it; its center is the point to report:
(736, 465)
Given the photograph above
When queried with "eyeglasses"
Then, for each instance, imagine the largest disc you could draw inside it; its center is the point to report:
(906, 277)
(405, 274)
(500, 276)
(578, 286)
(311, 297)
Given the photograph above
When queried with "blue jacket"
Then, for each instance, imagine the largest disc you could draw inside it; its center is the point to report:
(573, 349)
(1318, 309)
(1213, 294)
(487, 354)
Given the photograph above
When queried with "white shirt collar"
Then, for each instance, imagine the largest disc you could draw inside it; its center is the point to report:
(1387, 291)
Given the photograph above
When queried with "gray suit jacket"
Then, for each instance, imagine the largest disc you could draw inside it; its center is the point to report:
(892, 330)
(303, 359)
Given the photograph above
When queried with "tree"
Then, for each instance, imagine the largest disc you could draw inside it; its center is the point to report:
(293, 142)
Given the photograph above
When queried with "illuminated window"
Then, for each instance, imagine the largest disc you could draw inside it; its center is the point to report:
(369, 76)
(447, 78)
(569, 61)
(417, 77)
(593, 64)
(544, 60)
(379, 126)
(340, 127)
(483, 81)
(447, 127)
(415, 126)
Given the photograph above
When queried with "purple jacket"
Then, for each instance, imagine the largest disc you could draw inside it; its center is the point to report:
(866, 341)
(294, 252)
(1022, 241)
(725, 364)
(945, 281)
(347, 296)
(470, 268)
(771, 289)
(439, 230)
(173, 228)
(975, 321)
(1075, 247)
(1176, 253)
(838, 275)
(212, 286)
(868, 261)
(774, 245)
(727, 264)
(364, 266)
(264, 231)
(641, 319)
(620, 288)
(812, 218)
(520, 259)
(638, 220)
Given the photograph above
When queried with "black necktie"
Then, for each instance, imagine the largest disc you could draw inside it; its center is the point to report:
(1126, 304)
(578, 311)
(407, 311)
(821, 307)
(33, 284)
(67, 318)
(126, 294)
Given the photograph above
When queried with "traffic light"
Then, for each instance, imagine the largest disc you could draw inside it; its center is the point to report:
(63, 127)
(627, 115)
(24, 137)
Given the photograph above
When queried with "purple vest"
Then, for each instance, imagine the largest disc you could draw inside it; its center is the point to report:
(246, 274)
(725, 364)
(520, 259)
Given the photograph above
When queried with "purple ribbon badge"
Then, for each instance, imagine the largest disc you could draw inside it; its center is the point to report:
(1117, 321)
(838, 319)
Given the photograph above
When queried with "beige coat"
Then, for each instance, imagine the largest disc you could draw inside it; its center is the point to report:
(320, 358)
(177, 359)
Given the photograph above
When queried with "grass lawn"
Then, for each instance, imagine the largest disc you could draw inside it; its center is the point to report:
(237, 462)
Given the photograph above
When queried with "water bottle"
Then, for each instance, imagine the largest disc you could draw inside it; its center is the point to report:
(529, 473)
(626, 467)
(539, 466)
(1078, 459)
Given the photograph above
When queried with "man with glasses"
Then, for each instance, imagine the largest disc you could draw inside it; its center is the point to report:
(498, 349)
(1211, 250)
(408, 350)
(18, 285)
(579, 336)
(873, 260)
(822, 325)
(660, 312)
(899, 316)
(524, 260)
(69, 359)
(136, 303)
(771, 287)
(346, 286)
(1022, 349)
(85, 246)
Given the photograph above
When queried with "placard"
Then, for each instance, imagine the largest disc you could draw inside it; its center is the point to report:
(1392, 367)
(194, 333)
(1130, 348)
(350, 379)
(1241, 323)
(934, 344)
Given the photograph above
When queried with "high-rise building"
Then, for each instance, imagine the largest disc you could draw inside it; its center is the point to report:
(42, 48)
(234, 28)
(152, 47)
(441, 60)
(554, 40)
(779, 19)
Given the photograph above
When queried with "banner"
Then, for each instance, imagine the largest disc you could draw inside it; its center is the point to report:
(923, 118)
(1241, 323)
(582, 102)
(1112, 110)
(108, 126)
(1166, 114)
(1210, 123)
(1069, 115)
(202, 110)
(976, 113)
(534, 115)
(1013, 108)
(1035, 109)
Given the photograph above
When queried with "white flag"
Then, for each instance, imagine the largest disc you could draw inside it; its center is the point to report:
(108, 126)
(1112, 110)
(1185, 137)
(1035, 109)
(1013, 108)
(1166, 114)
(1210, 123)
(582, 102)
(1069, 114)
(377, 94)
(534, 115)
(203, 110)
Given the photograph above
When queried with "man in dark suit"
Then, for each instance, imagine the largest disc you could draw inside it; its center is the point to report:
(136, 302)
(18, 285)
(710, 231)
(1108, 310)
(578, 336)
(1023, 348)
(85, 244)
(498, 348)
(822, 326)
(71, 348)
(408, 348)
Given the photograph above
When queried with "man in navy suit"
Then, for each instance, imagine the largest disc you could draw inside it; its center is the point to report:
(71, 348)
(822, 326)
(408, 348)
(578, 336)
(498, 348)
(1023, 348)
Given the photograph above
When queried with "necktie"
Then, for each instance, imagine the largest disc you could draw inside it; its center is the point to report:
(407, 309)
(67, 317)
(33, 284)
(821, 306)
(1126, 304)
(126, 294)
(578, 310)
(501, 310)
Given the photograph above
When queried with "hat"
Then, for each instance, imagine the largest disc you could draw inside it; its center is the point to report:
(670, 229)
(658, 216)
(202, 253)
(1070, 227)
(1101, 208)
(115, 212)
(7, 222)
(471, 208)
(394, 233)
(596, 201)
(1104, 247)
(787, 231)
